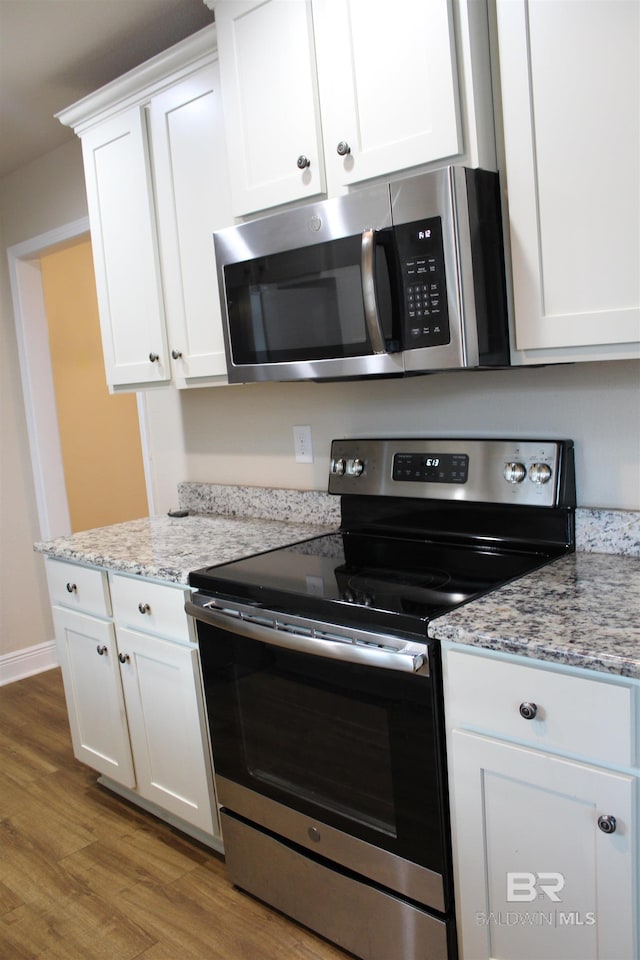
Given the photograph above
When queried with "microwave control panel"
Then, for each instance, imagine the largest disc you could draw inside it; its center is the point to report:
(421, 253)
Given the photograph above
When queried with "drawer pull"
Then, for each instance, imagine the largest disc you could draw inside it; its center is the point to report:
(528, 710)
(124, 658)
(72, 588)
(607, 823)
(144, 608)
(101, 650)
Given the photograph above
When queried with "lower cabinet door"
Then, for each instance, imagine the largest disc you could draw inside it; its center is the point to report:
(169, 738)
(91, 674)
(536, 874)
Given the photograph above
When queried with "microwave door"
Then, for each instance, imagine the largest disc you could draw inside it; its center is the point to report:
(322, 311)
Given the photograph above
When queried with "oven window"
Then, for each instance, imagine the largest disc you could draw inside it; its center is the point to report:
(323, 747)
(304, 304)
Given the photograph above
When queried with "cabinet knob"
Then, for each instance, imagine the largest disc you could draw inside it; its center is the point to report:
(153, 357)
(72, 588)
(176, 354)
(607, 823)
(101, 650)
(303, 162)
(144, 608)
(124, 658)
(528, 710)
(343, 148)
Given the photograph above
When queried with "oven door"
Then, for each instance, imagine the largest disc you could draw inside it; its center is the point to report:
(342, 758)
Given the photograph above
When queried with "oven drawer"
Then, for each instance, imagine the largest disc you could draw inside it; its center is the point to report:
(80, 588)
(540, 707)
(369, 921)
(150, 607)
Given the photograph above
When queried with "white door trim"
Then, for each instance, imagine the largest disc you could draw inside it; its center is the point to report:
(37, 379)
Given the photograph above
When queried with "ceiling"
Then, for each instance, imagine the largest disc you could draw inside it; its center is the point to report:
(54, 52)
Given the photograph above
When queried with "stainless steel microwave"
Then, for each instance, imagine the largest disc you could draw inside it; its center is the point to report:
(394, 279)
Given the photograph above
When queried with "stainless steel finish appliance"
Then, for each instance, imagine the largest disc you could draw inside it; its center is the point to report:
(324, 691)
(397, 278)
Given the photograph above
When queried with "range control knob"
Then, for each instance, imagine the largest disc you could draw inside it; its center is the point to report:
(338, 466)
(355, 467)
(514, 472)
(540, 472)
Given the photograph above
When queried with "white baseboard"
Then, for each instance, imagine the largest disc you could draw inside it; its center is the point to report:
(25, 663)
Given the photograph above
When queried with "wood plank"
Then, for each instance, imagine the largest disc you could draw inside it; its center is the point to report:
(86, 875)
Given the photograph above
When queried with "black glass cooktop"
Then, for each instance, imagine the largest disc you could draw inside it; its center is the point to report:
(361, 579)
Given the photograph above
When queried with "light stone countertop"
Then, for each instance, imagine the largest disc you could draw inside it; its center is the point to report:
(582, 610)
(168, 548)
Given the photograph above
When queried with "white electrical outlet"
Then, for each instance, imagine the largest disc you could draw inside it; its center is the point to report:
(302, 444)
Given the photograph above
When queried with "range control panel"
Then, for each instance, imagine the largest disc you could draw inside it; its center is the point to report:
(521, 472)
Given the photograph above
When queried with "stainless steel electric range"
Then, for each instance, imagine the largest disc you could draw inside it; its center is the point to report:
(323, 688)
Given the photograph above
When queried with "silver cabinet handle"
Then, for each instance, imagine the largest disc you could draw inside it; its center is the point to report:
(370, 301)
(176, 354)
(343, 148)
(528, 710)
(144, 608)
(72, 588)
(303, 162)
(124, 658)
(101, 650)
(153, 357)
(607, 823)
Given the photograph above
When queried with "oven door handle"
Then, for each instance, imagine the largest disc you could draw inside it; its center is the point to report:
(366, 654)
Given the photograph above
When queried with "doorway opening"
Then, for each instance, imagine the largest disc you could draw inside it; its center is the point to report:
(65, 479)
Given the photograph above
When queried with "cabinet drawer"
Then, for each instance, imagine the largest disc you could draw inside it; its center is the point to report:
(81, 588)
(573, 715)
(150, 607)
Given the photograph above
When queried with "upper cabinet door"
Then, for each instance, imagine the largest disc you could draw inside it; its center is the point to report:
(268, 74)
(571, 110)
(192, 200)
(128, 283)
(388, 85)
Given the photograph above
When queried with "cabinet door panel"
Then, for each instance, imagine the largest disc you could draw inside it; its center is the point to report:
(193, 200)
(267, 65)
(571, 105)
(524, 813)
(392, 118)
(169, 737)
(94, 694)
(120, 201)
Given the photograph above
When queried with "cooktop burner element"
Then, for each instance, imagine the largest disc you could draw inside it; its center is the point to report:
(426, 526)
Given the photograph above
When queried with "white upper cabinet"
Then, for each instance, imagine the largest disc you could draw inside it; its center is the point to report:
(123, 237)
(571, 111)
(388, 85)
(192, 199)
(349, 90)
(157, 188)
(270, 102)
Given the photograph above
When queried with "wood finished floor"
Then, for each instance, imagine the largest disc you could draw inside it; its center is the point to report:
(84, 874)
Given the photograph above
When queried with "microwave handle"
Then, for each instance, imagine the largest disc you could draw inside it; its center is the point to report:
(369, 297)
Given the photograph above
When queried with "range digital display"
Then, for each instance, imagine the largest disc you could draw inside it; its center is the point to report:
(431, 467)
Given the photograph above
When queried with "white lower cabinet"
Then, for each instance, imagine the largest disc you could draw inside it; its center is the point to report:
(545, 844)
(160, 680)
(88, 656)
(134, 691)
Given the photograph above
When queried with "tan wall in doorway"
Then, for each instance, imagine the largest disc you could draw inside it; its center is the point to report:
(99, 433)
